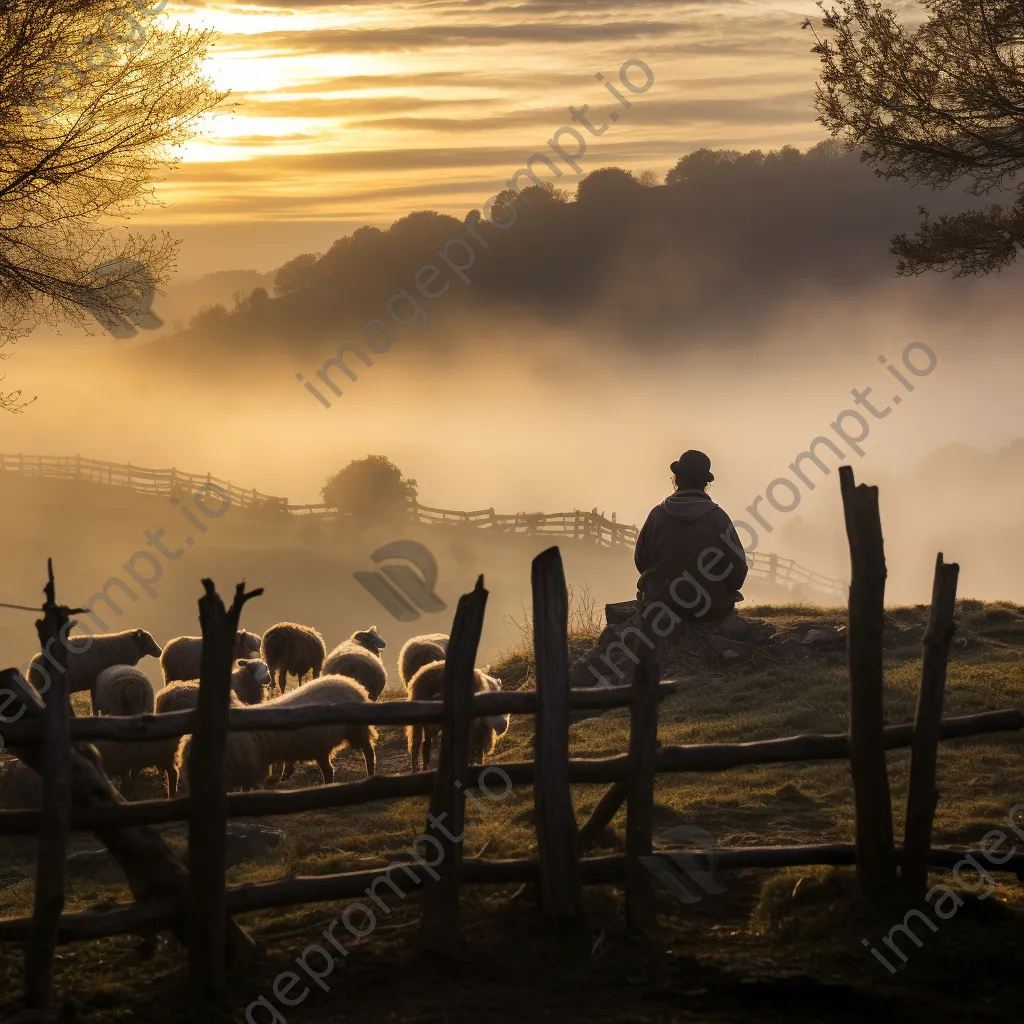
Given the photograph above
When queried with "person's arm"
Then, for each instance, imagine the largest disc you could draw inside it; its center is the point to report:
(642, 556)
(734, 552)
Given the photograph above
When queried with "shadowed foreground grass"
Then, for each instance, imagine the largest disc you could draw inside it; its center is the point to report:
(775, 945)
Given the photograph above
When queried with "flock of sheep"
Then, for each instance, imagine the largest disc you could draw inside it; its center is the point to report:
(353, 671)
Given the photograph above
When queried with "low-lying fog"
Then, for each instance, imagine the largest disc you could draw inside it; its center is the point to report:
(517, 416)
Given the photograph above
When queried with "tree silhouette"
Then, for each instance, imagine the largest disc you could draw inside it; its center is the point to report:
(297, 273)
(91, 102)
(935, 105)
(371, 490)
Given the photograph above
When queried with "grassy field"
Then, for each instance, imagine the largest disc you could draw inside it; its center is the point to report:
(776, 944)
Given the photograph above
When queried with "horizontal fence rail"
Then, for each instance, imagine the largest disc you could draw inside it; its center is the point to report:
(396, 712)
(251, 896)
(700, 757)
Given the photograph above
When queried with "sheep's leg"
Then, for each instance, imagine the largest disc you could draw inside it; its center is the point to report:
(289, 767)
(282, 679)
(415, 739)
(172, 781)
(369, 757)
(426, 749)
(326, 770)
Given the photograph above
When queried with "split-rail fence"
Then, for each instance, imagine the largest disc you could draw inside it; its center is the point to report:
(586, 527)
(197, 905)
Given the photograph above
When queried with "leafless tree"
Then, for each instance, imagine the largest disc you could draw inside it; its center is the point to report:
(936, 104)
(93, 98)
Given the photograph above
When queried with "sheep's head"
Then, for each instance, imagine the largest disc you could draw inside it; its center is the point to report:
(370, 639)
(249, 679)
(145, 644)
(248, 644)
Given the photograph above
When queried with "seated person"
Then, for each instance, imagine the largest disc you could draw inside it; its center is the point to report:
(688, 552)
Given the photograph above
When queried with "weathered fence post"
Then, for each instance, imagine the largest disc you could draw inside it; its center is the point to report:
(643, 743)
(876, 857)
(922, 791)
(561, 889)
(55, 825)
(207, 865)
(439, 924)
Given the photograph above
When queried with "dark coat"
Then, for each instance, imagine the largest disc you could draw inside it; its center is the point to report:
(689, 533)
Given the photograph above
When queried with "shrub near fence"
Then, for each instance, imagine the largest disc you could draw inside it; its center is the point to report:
(197, 905)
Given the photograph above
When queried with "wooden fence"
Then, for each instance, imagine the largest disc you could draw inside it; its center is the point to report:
(583, 526)
(196, 904)
(795, 578)
(587, 527)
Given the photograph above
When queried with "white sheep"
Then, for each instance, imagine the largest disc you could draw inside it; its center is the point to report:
(359, 658)
(419, 651)
(182, 655)
(88, 656)
(428, 684)
(292, 648)
(128, 759)
(123, 690)
(249, 755)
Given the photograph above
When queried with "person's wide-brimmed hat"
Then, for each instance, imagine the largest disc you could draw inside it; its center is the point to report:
(693, 464)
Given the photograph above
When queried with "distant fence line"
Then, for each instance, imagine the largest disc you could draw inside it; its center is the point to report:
(592, 527)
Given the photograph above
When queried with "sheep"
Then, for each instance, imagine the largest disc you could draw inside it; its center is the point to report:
(123, 690)
(419, 651)
(248, 679)
(127, 759)
(183, 654)
(359, 658)
(88, 656)
(427, 684)
(289, 647)
(21, 788)
(249, 755)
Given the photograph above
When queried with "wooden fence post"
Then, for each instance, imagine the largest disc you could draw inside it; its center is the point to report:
(439, 923)
(55, 825)
(207, 864)
(876, 857)
(643, 743)
(922, 791)
(561, 889)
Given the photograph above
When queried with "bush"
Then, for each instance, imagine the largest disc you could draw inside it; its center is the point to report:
(371, 490)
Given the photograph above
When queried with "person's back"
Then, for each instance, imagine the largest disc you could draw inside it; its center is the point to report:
(688, 553)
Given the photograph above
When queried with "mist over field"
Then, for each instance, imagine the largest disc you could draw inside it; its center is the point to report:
(543, 389)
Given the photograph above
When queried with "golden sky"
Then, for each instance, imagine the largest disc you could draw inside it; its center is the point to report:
(362, 112)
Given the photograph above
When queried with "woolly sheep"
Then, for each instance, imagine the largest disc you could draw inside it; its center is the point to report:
(291, 648)
(248, 678)
(21, 788)
(428, 684)
(123, 690)
(87, 658)
(127, 759)
(183, 654)
(249, 755)
(359, 658)
(419, 651)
